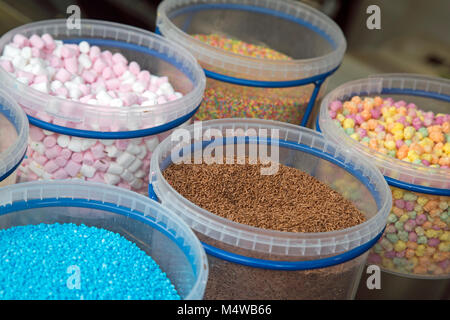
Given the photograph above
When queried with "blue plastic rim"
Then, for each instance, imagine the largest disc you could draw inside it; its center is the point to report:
(120, 134)
(105, 206)
(289, 265)
(391, 181)
(317, 80)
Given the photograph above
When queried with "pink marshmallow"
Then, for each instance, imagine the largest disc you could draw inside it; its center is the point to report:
(121, 144)
(53, 152)
(36, 52)
(48, 41)
(118, 58)
(66, 154)
(32, 176)
(112, 84)
(144, 76)
(36, 41)
(20, 40)
(74, 47)
(24, 74)
(77, 157)
(41, 159)
(119, 69)
(84, 89)
(55, 62)
(88, 76)
(97, 151)
(99, 65)
(125, 87)
(62, 75)
(51, 166)
(49, 141)
(40, 79)
(7, 65)
(71, 65)
(60, 161)
(88, 158)
(60, 174)
(36, 134)
(72, 168)
(101, 165)
(94, 52)
(107, 73)
(134, 68)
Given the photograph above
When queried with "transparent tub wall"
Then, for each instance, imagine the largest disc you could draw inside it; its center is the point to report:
(416, 241)
(8, 136)
(234, 281)
(166, 253)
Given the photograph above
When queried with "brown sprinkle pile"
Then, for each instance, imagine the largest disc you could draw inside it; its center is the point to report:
(289, 201)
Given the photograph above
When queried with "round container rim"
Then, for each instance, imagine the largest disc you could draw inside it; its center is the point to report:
(322, 64)
(252, 233)
(375, 84)
(192, 98)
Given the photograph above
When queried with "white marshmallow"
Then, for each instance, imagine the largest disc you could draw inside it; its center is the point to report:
(137, 183)
(63, 141)
(46, 176)
(127, 176)
(37, 69)
(134, 166)
(152, 143)
(28, 68)
(75, 93)
(85, 61)
(26, 53)
(84, 47)
(111, 178)
(75, 144)
(149, 95)
(36, 168)
(138, 87)
(103, 97)
(112, 151)
(149, 102)
(11, 51)
(43, 87)
(55, 85)
(106, 142)
(87, 143)
(143, 152)
(114, 168)
(167, 88)
(19, 62)
(92, 102)
(153, 79)
(87, 171)
(125, 159)
(47, 133)
(133, 149)
(139, 174)
(116, 102)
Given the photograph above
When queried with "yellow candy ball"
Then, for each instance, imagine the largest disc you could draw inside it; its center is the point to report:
(348, 123)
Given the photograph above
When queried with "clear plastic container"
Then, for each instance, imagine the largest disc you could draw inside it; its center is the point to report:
(242, 86)
(427, 189)
(13, 138)
(96, 127)
(153, 228)
(253, 263)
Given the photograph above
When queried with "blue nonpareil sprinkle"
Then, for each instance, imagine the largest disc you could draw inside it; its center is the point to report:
(67, 261)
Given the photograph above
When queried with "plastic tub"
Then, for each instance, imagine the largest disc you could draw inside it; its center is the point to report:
(240, 86)
(13, 138)
(252, 263)
(153, 228)
(409, 181)
(97, 127)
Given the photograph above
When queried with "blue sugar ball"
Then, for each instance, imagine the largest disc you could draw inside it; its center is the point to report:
(66, 261)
